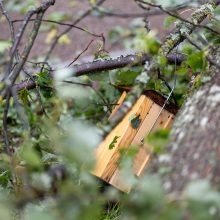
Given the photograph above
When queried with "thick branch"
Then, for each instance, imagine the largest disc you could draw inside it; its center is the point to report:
(105, 65)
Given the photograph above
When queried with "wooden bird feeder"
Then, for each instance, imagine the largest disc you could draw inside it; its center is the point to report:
(148, 111)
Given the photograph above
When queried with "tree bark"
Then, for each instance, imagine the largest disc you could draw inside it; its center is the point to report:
(194, 151)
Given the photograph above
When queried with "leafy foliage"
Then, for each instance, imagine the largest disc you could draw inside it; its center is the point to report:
(48, 174)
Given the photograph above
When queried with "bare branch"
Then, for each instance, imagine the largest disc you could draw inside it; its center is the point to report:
(64, 24)
(105, 65)
(4, 12)
(5, 125)
(78, 56)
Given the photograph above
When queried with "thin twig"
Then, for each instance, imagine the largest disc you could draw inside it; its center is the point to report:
(5, 124)
(78, 56)
(10, 23)
(128, 15)
(64, 24)
(78, 83)
(149, 13)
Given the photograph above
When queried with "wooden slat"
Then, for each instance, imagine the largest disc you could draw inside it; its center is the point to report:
(119, 183)
(119, 103)
(164, 121)
(107, 160)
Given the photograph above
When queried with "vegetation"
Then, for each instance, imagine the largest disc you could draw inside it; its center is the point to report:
(53, 118)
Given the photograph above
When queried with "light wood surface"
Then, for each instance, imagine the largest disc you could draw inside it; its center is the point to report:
(152, 122)
(119, 103)
(118, 182)
(107, 159)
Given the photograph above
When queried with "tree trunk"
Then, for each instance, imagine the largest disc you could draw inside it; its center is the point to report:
(194, 151)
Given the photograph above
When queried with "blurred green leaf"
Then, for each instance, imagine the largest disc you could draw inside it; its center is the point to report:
(158, 139)
(169, 21)
(4, 45)
(24, 96)
(197, 61)
(58, 16)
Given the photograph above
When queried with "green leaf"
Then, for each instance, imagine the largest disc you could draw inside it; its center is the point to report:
(188, 49)
(5, 178)
(197, 61)
(183, 70)
(162, 61)
(24, 94)
(44, 78)
(112, 145)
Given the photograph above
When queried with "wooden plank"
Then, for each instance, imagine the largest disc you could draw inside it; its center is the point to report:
(164, 121)
(119, 183)
(119, 103)
(107, 159)
(150, 123)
